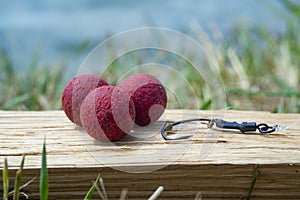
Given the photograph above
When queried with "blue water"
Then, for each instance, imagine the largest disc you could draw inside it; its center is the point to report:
(55, 28)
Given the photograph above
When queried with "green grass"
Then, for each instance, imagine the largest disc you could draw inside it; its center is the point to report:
(254, 178)
(18, 180)
(38, 88)
(92, 189)
(5, 180)
(44, 175)
(17, 193)
(260, 71)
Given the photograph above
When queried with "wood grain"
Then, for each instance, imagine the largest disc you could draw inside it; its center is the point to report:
(217, 164)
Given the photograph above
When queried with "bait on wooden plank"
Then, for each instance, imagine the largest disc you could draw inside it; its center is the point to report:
(215, 162)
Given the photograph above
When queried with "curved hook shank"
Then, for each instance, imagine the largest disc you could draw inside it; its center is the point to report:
(243, 127)
(169, 127)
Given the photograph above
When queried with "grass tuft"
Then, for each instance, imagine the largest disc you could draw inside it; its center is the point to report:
(44, 175)
(5, 180)
(89, 194)
(18, 180)
(259, 69)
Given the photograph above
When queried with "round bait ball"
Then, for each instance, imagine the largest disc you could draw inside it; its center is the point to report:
(107, 113)
(148, 95)
(75, 92)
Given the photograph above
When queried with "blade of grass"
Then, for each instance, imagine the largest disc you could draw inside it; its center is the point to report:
(44, 175)
(198, 196)
(157, 193)
(29, 182)
(5, 180)
(281, 83)
(25, 195)
(239, 91)
(123, 194)
(91, 190)
(103, 188)
(16, 101)
(100, 193)
(18, 180)
(294, 8)
(205, 105)
(254, 177)
(23, 186)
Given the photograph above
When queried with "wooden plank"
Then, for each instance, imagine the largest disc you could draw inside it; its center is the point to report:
(180, 182)
(216, 163)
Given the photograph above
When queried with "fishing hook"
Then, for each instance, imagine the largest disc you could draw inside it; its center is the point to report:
(243, 127)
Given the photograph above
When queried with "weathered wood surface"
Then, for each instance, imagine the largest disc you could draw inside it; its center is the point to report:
(218, 164)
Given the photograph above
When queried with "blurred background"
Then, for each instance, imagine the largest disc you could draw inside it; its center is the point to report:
(255, 44)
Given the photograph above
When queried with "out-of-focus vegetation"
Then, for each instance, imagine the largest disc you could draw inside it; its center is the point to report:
(39, 88)
(260, 71)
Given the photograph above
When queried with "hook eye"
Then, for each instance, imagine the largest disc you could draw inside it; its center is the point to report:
(264, 128)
